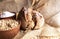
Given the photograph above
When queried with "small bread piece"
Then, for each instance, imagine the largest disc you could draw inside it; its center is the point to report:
(28, 18)
(39, 20)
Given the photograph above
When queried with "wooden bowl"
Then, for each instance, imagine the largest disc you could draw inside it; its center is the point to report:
(10, 33)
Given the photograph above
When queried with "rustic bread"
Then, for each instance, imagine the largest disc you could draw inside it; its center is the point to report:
(31, 19)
